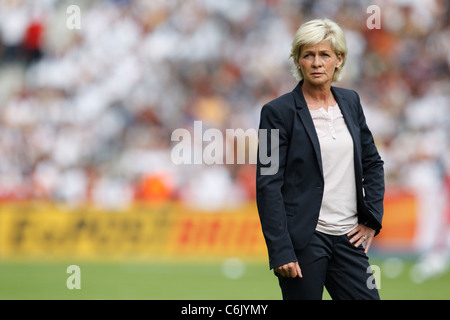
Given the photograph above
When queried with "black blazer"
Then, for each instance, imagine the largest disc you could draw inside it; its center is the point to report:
(290, 198)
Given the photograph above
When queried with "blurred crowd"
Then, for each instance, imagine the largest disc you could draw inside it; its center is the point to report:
(87, 110)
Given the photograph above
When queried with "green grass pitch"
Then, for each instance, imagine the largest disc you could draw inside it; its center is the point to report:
(178, 281)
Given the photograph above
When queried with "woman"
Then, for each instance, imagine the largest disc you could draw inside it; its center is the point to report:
(321, 210)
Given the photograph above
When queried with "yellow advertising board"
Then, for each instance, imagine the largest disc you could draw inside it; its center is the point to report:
(168, 231)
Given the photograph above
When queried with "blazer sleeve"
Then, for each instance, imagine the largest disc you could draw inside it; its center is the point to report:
(269, 186)
(373, 174)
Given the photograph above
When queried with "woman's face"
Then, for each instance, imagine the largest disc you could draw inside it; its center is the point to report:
(318, 63)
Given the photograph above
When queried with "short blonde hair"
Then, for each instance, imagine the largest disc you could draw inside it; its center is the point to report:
(313, 32)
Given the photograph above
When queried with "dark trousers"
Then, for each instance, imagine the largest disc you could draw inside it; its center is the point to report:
(333, 262)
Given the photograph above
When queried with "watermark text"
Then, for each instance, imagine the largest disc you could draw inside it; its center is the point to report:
(212, 146)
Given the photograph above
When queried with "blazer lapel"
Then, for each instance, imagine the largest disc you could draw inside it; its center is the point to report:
(305, 117)
(349, 120)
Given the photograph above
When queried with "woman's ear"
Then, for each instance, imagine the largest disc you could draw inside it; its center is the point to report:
(340, 58)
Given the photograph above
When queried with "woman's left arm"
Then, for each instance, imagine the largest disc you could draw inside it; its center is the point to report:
(372, 184)
(373, 173)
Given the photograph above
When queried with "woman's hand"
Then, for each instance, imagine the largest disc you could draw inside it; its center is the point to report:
(289, 270)
(358, 236)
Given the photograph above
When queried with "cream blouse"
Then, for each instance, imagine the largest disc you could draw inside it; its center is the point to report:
(338, 213)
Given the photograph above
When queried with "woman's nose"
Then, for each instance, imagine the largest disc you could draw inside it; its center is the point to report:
(317, 62)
